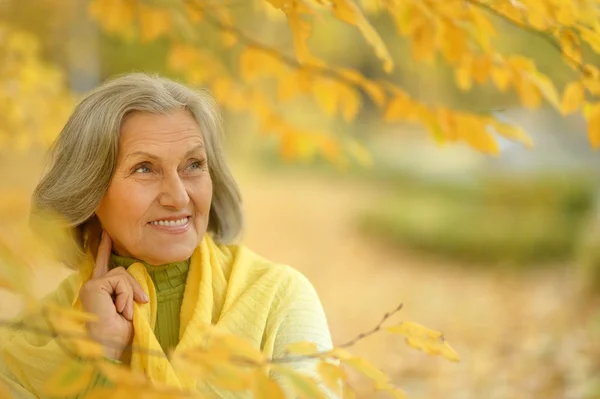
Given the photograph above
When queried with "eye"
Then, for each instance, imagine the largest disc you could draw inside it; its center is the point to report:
(142, 168)
(197, 165)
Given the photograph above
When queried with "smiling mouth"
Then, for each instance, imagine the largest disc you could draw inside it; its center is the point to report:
(171, 223)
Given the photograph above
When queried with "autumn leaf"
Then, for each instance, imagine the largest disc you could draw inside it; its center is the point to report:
(399, 108)
(512, 132)
(303, 385)
(265, 387)
(592, 115)
(70, 379)
(4, 392)
(301, 31)
(502, 78)
(378, 377)
(154, 22)
(546, 87)
(121, 375)
(116, 16)
(424, 339)
(302, 348)
(332, 375)
(238, 347)
(573, 98)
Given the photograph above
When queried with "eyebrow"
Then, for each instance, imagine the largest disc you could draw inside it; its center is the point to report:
(154, 157)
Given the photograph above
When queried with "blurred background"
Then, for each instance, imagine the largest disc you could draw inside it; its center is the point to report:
(499, 253)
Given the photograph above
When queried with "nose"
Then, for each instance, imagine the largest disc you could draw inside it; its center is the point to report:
(174, 194)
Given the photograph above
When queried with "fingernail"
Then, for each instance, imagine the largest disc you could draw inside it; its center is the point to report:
(145, 297)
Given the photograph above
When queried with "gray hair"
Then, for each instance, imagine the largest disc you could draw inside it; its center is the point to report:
(83, 158)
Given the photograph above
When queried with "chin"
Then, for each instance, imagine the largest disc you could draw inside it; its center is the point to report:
(178, 254)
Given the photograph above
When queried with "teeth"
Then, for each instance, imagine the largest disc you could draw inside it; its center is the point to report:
(179, 222)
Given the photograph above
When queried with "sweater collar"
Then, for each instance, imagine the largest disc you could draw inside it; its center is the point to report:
(165, 276)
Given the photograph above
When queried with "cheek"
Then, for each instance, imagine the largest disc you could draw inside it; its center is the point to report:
(124, 206)
(201, 195)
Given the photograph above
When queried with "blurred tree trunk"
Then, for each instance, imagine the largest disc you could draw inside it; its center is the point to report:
(83, 56)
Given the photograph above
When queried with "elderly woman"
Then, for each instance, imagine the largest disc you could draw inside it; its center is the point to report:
(139, 172)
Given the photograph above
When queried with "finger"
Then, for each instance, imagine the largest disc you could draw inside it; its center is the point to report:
(138, 292)
(123, 296)
(101, 265)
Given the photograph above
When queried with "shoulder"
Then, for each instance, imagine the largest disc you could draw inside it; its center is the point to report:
(283, 280)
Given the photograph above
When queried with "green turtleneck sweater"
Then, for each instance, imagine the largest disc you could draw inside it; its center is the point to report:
(169, 282)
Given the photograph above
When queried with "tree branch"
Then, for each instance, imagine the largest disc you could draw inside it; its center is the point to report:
(541, 34)
(57, 334)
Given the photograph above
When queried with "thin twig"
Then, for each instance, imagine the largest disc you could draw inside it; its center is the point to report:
(251, 42)
(348, 344)
(374, 330)
(54, 333)
(57, 334)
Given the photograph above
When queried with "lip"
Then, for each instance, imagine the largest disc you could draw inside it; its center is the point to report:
(172, 229)
(175, 217)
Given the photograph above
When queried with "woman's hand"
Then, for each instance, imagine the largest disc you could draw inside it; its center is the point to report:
(110, 295)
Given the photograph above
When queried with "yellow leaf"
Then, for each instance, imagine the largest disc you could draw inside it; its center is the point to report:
(529, 93)
(4, 392)
(481, 68)
(195, 14)
(121, 375)
(238, 348)
(453, 41)
(302, 348)
(546, 87)
(570, 46)
(324, 92)
(349, 101)
(304, 386)
(591, 37)
(332, 376)
(154, 22)
(116, 16)
(349, 12)
(423, 43)
(70, 313)
(573, 98)
(592, 86)
(255, 63)
(74, 333)
(502, 77)
(182, 56)
(264, 387)
(399, 108)
(340, 353)
(422, 338)
(463, 76)
(592, 114)
(378, 377)
(513, 133)
(484, 29)
(374, 91)
(473, 130)
(301, 31)
(70, 379)
(394, 392)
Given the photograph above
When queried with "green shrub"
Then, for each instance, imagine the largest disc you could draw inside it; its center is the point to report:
(498, 221)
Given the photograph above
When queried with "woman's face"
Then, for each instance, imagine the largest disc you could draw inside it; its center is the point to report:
(157, 205)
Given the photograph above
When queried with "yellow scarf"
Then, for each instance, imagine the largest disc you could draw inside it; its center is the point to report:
(224, 284)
